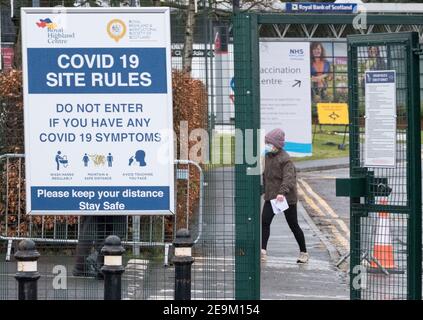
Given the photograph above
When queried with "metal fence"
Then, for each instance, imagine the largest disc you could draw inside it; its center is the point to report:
(385, 224)
(227, 262)
(140, 234)
(367, 229)
(15, 225)
(205, 194)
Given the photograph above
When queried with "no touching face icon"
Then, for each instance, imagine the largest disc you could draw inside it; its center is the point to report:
(139, 157)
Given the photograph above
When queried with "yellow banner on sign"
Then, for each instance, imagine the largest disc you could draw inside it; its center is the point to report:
(332, 113)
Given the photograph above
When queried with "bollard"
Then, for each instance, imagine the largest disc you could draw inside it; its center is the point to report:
(27, 274)
(183, 260)
(112, 268)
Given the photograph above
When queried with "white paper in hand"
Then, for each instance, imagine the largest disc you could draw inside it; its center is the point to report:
(279, 206)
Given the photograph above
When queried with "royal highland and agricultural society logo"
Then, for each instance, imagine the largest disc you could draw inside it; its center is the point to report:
(116, 29)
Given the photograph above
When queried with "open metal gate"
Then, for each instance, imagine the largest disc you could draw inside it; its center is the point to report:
(400, 50)
(385, 203)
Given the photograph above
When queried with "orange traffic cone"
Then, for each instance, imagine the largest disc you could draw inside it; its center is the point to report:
(383, 249)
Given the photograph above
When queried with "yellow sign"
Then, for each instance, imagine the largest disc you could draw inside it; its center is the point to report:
(116, 29)
(332, 113)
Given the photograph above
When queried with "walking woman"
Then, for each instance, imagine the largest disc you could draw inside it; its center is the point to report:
(280, 182)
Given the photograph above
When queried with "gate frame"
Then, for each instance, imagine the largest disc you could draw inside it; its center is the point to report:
(414, 189)
(247, 116)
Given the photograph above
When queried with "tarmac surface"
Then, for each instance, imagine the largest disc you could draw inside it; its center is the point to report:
(283, 278)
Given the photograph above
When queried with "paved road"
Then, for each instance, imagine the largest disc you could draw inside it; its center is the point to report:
(330, 213)
(282, 278)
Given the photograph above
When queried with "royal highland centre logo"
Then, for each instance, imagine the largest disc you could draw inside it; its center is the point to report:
(56, 34)
(116, 29)
(46, 23)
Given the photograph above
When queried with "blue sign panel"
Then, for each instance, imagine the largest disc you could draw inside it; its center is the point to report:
(100, 198)
(380, 77)
(97, 70)
(319, 7)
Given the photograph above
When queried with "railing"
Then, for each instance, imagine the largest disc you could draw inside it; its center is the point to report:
(12, 183)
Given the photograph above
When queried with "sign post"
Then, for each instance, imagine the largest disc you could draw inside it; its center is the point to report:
(98, 111)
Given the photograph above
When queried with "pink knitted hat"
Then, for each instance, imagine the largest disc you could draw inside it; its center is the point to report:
(276, 137)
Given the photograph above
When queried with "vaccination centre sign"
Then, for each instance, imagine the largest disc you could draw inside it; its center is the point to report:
(285, 91)
(298, 78)
(98, 111)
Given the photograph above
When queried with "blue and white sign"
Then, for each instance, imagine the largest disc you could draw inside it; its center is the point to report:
(285, 93)
(373, 77)
(320, 7)
(98, 111)
(381, 119)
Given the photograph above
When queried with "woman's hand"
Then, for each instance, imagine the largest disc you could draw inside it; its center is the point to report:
(280, 197)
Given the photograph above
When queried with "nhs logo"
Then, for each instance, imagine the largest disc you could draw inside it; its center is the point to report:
(296, 53)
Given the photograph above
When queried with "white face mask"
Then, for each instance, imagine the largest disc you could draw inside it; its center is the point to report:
(269, 148)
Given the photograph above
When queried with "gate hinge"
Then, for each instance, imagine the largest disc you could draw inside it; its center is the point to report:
(418, 52)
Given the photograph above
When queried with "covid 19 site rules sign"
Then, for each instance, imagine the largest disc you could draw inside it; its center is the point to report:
(98, 111)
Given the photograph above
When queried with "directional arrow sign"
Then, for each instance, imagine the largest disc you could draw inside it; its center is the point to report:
(297, 83)
(334, 116)
(332, 113)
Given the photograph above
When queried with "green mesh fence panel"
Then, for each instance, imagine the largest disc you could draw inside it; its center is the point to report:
(226, 232)
(205, 193)
(386, 224)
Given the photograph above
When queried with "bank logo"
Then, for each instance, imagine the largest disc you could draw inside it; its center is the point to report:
(47, 23)
(116, 29)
